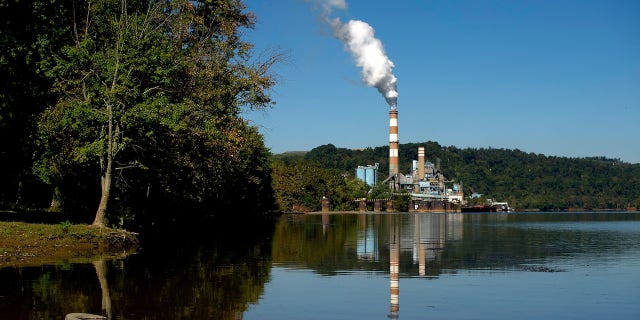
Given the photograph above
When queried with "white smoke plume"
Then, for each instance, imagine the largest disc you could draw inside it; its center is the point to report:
(368, 52)
(328, 5)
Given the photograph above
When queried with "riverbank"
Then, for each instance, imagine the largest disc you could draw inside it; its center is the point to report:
(29, 244)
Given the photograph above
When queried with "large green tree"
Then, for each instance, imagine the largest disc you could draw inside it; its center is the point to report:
(29, 32)
(151, 92)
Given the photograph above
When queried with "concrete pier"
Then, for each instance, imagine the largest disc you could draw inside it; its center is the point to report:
(326, 204)
(377, 206)
(362, 206)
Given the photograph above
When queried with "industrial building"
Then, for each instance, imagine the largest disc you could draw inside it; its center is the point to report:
(430, 191)
(428, 188)
(368, 174)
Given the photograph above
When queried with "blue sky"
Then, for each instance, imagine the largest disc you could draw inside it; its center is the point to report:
(555, 77)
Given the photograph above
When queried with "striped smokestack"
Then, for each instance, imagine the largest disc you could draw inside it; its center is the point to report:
(420, 163)
(393, 142)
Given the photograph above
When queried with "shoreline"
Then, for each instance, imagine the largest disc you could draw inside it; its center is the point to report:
(24, 244)
(439, 212)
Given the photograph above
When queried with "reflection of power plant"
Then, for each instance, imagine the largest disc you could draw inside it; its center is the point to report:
(420, 238)
(367, 242)
(430, 235)
(417, 235)
(394, 268)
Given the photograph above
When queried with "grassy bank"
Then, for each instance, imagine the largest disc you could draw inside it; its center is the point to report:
(27, 244)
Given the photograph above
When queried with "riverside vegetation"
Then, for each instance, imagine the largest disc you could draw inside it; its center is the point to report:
(128, 114)
(525, 180)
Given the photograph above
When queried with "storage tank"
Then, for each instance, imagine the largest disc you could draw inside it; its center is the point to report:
(371, 173)
(360, 173)
(368, 174)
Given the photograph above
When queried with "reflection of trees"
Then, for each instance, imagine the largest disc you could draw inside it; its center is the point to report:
(301, 240)
(188, 281)
(101, 272)
(48, 292)
(510, 241)
(220, 280)
(206, 283)
(359, 242)
(429, 243)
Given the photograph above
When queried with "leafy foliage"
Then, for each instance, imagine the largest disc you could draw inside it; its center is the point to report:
(29, 32)
(300, 186)
(149, 94)
(525, 180)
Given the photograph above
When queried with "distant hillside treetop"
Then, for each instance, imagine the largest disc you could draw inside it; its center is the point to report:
(525, 180)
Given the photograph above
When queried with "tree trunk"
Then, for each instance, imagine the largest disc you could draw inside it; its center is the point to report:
(101, 214)
(56, 200)
(105, 180)
(112, 137)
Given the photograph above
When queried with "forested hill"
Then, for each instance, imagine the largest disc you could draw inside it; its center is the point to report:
(525, 180)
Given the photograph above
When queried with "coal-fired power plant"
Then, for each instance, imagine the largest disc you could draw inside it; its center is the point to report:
(393, 144)
(425, 185)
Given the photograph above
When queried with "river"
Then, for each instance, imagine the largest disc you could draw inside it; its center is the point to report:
(359, 266)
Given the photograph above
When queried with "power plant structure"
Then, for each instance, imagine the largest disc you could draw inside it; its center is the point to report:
(430, 191)
(428, 188)
(368, 174)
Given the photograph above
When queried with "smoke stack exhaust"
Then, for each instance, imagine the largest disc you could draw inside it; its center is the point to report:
(393, 142)
(420, 163)
(367, 51)
(369, 54)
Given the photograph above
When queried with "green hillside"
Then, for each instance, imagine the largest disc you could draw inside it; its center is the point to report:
(525, 180)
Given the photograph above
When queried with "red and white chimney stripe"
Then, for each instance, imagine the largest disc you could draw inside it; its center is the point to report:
(393, 142)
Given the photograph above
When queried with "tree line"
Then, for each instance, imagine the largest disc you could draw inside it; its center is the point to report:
(129, 110)
(525, 180)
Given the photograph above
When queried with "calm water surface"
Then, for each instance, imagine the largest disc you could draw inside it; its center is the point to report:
(360, 266)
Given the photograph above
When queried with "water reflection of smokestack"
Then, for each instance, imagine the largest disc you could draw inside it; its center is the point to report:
(420, 244)
(394, 267)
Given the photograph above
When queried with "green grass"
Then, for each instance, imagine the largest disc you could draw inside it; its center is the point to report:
(36, 243)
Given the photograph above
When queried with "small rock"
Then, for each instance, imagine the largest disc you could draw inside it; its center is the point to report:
(83, 316)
